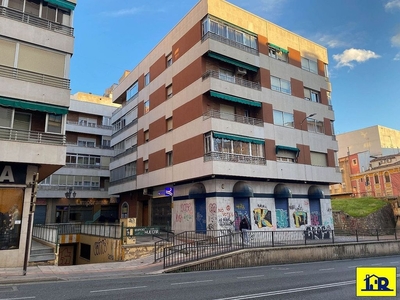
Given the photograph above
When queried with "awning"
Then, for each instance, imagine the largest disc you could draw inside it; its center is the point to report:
(62, 3)
(242, 190)
(278, 48)
(286, 148)
(315, 192)
(237, 138)
(234, 99)
(282, 191)
(58, 110)
(232, 61)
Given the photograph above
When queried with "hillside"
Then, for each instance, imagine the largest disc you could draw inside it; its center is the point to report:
(358, 207)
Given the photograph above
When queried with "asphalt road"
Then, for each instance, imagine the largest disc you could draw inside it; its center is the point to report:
(318, 280)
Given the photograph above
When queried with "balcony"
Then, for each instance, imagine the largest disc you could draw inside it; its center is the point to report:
(31, 137)
(83, 166)
(216, 37)
(125, 153)
(89, 125)
(45, 187)
(35, 21)
(237, 158)
(232, 117)
(34, 77)
(232, 79)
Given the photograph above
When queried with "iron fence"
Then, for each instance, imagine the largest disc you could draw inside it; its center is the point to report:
(181, 251)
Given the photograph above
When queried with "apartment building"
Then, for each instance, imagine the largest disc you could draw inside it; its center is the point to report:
(368, 160)
(78, 192)
(229, 116)
(36, 42)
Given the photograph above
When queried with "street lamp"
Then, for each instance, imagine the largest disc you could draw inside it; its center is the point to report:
(70, 194)
(302, 142)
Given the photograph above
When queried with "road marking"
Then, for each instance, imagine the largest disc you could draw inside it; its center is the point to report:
(296, 272)
(376, 264)
(33, 297)
(394, 262)
(254, 276)
(327, 269)
(120, 289)
(189, 282)
(289, 291)
(351, 267)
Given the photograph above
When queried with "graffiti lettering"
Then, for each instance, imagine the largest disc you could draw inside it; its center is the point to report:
(100, 247)
(212, 208)
(240, 206)
(282, 220)
(300, 218)
(186, 207)
(110, 257)
(315, 218)
(262, 217)
(317, 232)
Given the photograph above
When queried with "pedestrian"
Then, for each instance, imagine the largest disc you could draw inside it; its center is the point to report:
(244, 227)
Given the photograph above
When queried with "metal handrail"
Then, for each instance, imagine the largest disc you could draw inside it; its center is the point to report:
(35, 21)
(213, 113)
(233, 79)
(229, 42)
(238, 158)
(91, 126)
(34, 77)
(34, 137)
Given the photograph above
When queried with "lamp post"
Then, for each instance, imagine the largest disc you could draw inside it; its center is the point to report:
(70, 194)
(302, 142)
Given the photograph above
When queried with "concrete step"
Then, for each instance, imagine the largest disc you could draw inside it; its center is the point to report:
(45, 257)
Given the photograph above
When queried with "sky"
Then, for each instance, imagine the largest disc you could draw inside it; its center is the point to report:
(362, 38)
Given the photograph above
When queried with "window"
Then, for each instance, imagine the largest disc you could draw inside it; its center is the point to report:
(146, 135)
(6, 115)
(106, 121)
(169, 159)
(354, 161)
(312, 95)
(146, 106)
(169, 124)
(90, 143)
(376, 178)
(309, 65)
(169, 91)
(54, 123)
(132, 91)
(277, 54)
(319, 159)
(387, 177)
(226, 75)
(169, 60)
(146, 166)
(229, 32)
(283, 119)
(87, 122)
(32, 7)
(280, 85)
(286, 155)
(315, 126)
(367, 183)
(146, 79)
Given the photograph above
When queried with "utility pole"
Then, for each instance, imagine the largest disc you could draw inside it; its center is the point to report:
(33, 185)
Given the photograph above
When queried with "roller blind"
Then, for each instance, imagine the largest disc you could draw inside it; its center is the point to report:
(7, 53)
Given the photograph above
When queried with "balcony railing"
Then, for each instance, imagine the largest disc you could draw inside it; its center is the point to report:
(237, 158)
(89, 125)
(56, 187)
(34, 77)
(125, 153)
(229, 42)
(95, 147)
(83, 166)
(212, 113)
(232, 79)
(123, 180)
(33, 137)
(35, 21)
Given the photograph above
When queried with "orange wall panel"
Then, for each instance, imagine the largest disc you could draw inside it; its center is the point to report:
(327, 126)
(294, 57)
(158, 67)
(157, 160)
(270, 150)
(157, 128)
(139, 166)
(263, 44)
(267, 114)
(297, 88)
(324, 97)
(331, 158)
(140, 82)
(188, 75)
(158, 97)
(265, 78)
(321, 67)
(185, 43)
(188, 112)
(189, 149)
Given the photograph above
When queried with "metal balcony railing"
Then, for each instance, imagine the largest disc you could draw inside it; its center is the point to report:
(95, 147)
(35, 21)
(237, 158)
(45, 187)
(34, 77)
(232, 79)
(229, 42)
(124, 153)
(33, 137)
(212, 113)
(123, 180)
(83, 166)
(89, 125)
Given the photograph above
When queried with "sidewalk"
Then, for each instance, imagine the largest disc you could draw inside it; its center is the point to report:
(141, 266)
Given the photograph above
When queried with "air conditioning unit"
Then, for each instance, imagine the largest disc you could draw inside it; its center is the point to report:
(241, 71)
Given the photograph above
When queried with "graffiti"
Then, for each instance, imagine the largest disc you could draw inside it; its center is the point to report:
(261, 205)
(240, 206)
(210, 226)
(282, 220)
(262, 217)
(317, 232)
(186, 207)
(110, 257)
(65, 257)
(315, 216)
(100, 247)
(185, 213)
(300, 218)
(212, 208)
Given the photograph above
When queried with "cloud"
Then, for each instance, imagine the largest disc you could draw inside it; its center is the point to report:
(396, 40)
(392, 5)
(123, 12)
(397, 57)
(330, 41)
(349, 56)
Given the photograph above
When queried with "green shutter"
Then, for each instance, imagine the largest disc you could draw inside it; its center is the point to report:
(293, 149)
(278, 48)
(62, 3)
(58, 110)
(234, 99)
(232, 61)
(237, 138)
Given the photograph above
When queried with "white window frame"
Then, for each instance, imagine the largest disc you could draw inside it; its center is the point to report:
(133, 91)
(147, 79)
(309, 65)
(285, 119)
(61, 125)
(86, 141)
(281, 83)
